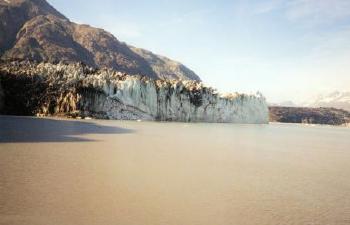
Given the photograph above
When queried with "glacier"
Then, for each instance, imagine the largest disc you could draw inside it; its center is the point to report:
(69, 89)
(1, 97)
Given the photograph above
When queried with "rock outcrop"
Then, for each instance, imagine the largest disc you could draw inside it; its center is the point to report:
(330, 116)
(34, 30)
(79, 90)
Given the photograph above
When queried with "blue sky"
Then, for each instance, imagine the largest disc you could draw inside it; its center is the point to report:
(288, 50)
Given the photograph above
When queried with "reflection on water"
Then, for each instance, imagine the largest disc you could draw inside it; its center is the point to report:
(172, 173)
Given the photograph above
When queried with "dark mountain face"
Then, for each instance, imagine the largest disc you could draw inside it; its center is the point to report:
(15, 13)
(309, 115)
(34, 30)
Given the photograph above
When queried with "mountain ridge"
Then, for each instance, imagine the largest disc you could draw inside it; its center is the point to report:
(34, 30)
(336, 99)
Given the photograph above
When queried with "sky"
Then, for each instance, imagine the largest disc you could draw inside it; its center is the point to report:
(288, 50)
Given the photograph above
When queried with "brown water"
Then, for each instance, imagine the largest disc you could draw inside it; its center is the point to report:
(114, 172)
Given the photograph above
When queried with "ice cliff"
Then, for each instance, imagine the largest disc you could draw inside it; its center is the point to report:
(1, 97)
(75, 89)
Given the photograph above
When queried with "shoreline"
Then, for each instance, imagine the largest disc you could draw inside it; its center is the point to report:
(57, 117)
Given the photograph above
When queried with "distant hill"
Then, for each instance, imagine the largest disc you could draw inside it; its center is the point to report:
(283, 104)
(330, 116)
(34, 30)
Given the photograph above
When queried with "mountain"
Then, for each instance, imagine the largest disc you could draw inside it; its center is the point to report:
(284, 104)
(337, 99)
(34, 30)
(165, 67)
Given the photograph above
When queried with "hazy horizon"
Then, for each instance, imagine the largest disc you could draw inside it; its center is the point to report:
(288, 50)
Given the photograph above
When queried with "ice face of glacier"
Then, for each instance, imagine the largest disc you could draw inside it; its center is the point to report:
(186, 101)
(110, 94)
(1, 97)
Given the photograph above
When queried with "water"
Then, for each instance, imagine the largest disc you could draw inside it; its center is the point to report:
(117, 172)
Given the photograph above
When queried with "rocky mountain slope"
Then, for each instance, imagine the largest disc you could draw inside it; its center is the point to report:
(330, 116)
(75, 89)
(165, 67)
(33, 29)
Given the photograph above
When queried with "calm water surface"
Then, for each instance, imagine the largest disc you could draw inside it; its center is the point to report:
(115, 172)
